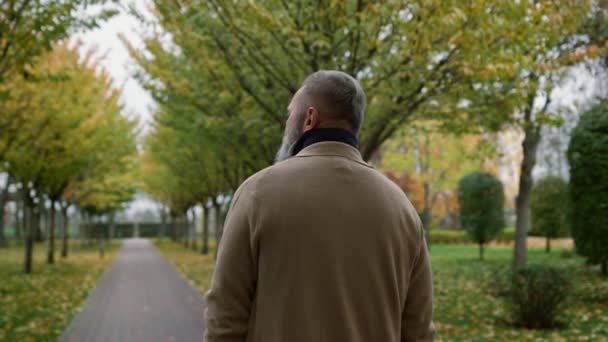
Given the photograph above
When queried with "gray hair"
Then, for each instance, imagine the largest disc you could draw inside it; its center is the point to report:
(340, 93)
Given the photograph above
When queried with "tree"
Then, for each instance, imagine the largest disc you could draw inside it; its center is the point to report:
(481, 200)
(548, 57)
(588, 158)
(74, 127)
(182, 169)
(472, 67)
(596, 28)
(437, 161)
(415, 60)
(4, 192)
(549, 207)
(28, 29)
(75, 145)
(201, 147)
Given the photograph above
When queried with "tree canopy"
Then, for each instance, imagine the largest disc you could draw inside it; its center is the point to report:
(68, 141)
(222, 73)
(481, 199)
(549, 208)
(72, 130)
(29, 28)
(588, 158)
(443, 60)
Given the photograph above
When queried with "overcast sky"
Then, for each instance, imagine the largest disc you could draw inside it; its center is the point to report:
(117, 61)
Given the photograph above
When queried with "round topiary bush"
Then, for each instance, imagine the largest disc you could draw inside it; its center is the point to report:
(536, 295)
(481, 201)
(549, 208)
(588, 158)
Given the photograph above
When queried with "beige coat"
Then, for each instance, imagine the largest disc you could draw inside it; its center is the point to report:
(321, 247)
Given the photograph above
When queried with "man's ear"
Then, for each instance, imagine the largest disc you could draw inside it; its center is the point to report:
(311, 119)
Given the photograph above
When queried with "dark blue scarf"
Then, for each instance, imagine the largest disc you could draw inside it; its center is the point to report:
(325, 134)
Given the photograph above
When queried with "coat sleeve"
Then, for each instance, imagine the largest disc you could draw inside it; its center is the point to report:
(417, 325)
(229, 300)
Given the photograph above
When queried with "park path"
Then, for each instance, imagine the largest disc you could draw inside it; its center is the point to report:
(141, 298)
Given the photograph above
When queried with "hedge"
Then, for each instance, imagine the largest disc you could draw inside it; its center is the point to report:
(460, 237)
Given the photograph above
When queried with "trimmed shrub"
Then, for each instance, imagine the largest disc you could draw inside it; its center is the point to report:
(461, 237)
(506, 236)
(450, 237)
(497, 283)
(549, 207)
(481, 199)
(567, 254)
(536, 295)
(588, 158)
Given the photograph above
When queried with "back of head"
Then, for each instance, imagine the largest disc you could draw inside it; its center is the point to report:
(339, 95)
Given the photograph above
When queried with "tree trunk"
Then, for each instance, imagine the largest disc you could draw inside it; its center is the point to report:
(548, 245)
(205, 249)
(84, 242)
(80, 232)
(163, 224)
(112, 227)
(218, 225)
(29, 220)
(427, 214)
(481, 251)
(522, 210)
(37, 226)
(44, 221)
(3, 197)
(64, 231)
(84, 230)
(50, 255)
(173, 228)
(194, 244)
(185, 229)
(18, 225)
(3, 242)
(102, 240)
(188, 226)
(177, 229)
(375, 158)
(532, 134)
(423, 156)
(91, 231)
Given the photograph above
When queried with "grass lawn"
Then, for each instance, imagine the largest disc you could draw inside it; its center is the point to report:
(465, 309)
(193, 265)
(38, 306)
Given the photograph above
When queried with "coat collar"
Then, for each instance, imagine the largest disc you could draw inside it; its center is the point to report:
(333, 148)
(325, 134)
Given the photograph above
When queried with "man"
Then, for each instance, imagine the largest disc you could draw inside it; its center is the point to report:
(320, 246)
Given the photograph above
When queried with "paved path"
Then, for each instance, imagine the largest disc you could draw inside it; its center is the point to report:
(141, 299)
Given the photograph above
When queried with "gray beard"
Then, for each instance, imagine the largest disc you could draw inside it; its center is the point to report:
(289, 142)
